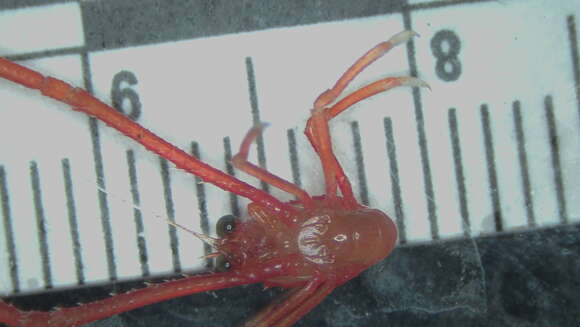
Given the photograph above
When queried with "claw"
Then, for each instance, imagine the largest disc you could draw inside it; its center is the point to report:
(414, 82)
(402, 37)
(328, 96)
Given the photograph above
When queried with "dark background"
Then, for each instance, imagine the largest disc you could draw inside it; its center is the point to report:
(516, 279)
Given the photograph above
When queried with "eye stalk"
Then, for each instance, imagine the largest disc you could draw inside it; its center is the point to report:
(222, 264)
(226, 225)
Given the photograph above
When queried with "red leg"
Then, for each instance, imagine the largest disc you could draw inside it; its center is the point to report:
(321, 141)
(320, 123)
(368, 91)
(317, 126)
(309, 304)
(77, 316)
(81, 100)
(338, 175)
(292, 306)
(85, 313)
(368, 58)
(240, 161)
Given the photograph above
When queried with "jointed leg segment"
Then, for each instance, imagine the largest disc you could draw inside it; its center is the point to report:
(81, 100)
(286, 311)
(317, 126)
(80, 315)
(298, 301)
(365, 60)
(240, 161)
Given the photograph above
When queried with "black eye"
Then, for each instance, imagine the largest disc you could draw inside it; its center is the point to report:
(226, 225)
(222, 264)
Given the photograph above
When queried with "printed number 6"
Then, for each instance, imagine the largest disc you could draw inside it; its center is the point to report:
(120, 92)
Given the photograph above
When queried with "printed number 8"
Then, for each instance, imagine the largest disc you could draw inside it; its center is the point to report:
(445, 46)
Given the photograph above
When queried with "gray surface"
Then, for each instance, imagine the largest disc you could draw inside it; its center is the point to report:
(113, 24)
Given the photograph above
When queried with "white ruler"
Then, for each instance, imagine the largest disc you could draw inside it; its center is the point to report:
(494, 147)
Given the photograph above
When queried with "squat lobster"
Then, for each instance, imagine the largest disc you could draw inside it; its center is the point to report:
(309, 246)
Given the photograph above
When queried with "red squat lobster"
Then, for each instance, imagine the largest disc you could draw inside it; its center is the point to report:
(309, 246)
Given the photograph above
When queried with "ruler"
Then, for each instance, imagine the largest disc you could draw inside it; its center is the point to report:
(492, 148)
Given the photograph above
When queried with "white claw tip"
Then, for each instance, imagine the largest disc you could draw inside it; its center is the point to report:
(402, 37)
(415, 82)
